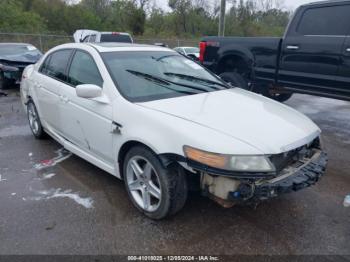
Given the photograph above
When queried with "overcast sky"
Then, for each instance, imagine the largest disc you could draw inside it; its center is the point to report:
(289, 4)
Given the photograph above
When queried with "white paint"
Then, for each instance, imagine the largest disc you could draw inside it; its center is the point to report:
(86, 202)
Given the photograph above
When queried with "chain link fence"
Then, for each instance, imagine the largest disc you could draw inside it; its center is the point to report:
(45, 42)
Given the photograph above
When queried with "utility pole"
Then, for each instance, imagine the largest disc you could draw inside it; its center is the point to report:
(222, 18)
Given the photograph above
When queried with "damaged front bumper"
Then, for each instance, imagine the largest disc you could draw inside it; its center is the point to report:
(228, 191)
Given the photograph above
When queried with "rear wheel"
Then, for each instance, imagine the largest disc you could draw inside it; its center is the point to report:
(154, 190)
(34, 120)
(235, 79)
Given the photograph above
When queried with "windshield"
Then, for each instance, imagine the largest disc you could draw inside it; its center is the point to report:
(115, 38)
(152, 75)
(13, 51)
(191, 50)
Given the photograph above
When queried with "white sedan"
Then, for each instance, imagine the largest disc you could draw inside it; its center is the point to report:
(158, 120)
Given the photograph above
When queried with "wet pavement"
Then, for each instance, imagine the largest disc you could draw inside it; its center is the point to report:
(52, 202)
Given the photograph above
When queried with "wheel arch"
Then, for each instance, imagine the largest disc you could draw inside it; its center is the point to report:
(235, 57)
(165, 158)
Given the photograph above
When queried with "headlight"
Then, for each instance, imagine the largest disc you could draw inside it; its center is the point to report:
(241, 163)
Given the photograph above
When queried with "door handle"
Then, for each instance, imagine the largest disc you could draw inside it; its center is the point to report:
(292, 47)
(64, 99)
(38, 85)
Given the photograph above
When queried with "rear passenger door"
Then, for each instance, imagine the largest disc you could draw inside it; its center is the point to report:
(48, 82)
(87, 122)
(312, 48)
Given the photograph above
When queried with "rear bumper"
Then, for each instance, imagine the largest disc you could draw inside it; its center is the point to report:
(305, 176)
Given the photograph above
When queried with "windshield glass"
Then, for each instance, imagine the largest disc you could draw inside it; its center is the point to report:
(151, 75)
(191, 49)
(19, 50)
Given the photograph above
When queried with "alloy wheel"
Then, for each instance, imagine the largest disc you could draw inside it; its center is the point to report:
(143, 183)
(33, 118)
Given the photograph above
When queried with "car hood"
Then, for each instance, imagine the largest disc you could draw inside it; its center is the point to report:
(26, 59)
(267, 125)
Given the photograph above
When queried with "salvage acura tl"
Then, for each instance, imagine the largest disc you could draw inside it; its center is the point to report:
(158, 120)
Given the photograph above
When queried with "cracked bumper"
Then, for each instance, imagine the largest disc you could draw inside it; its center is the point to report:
(304, 176)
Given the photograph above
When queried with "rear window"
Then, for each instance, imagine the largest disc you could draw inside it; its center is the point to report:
(329, 20)
(115, 38)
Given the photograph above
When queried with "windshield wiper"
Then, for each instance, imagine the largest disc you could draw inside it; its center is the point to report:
(196, 78)
(165, 81)
(162, 82)
(148, 76)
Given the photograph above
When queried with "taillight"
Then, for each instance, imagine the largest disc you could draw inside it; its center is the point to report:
(202, 47)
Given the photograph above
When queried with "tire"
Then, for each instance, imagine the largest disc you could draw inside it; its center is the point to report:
(165, 186)
(34, 121)
(235, 79)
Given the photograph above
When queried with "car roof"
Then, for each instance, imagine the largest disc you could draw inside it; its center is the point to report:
(327, 2)
(115, 46)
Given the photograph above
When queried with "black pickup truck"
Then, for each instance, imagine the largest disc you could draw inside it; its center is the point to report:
(313, 57)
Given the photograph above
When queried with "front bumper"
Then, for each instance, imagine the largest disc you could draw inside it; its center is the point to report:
(228, 191)
(305, 176)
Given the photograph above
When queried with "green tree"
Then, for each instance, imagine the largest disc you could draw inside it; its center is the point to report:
(15, 19)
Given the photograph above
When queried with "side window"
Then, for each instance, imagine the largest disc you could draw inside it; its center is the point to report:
(44, 66)
(83, 70)
(57, 65)
(329, 20)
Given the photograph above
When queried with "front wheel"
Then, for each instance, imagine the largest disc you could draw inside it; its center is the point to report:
(155, 190)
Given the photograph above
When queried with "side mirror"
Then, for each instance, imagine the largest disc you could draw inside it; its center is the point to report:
(88, 91)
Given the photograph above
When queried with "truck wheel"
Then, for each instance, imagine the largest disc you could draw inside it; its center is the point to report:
(235, 79)
(153, 189)
(265, 90)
